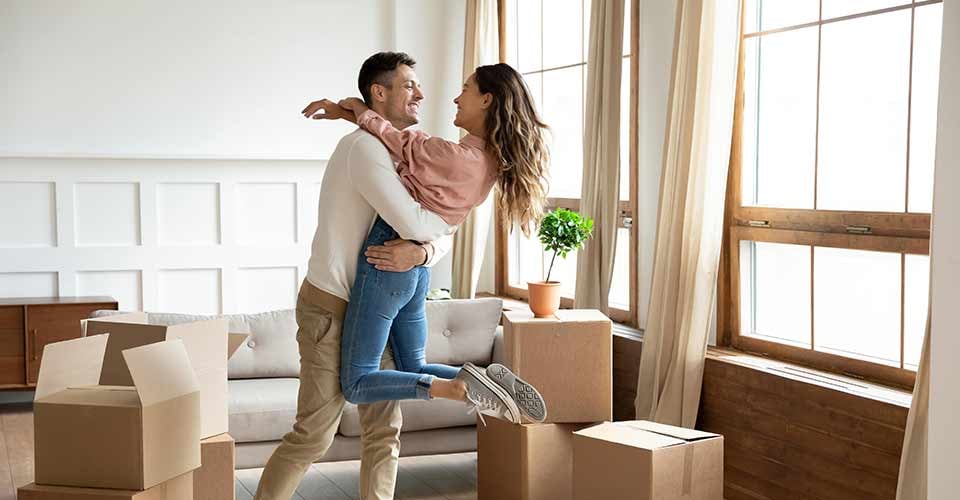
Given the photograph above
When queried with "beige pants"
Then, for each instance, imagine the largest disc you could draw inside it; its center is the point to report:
(320, 406)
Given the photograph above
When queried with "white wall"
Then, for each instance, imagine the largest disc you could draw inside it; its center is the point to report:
(944, 435)
(154, 151)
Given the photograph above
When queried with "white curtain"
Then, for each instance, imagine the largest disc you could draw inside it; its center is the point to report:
(481, 46)
(690, 216)
(600, 191)
(912, 483)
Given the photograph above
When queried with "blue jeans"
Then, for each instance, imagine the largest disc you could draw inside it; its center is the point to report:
(387, 307)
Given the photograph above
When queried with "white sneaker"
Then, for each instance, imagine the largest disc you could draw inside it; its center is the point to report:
(485, 396)
(526, 397)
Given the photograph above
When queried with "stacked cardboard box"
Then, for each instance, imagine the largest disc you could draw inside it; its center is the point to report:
(643, 460)
(568, 358)
(133, 440)
(132, 410)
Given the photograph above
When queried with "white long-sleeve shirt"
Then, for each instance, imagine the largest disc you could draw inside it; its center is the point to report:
(361, 182)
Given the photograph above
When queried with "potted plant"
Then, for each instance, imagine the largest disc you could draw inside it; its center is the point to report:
(561, 231)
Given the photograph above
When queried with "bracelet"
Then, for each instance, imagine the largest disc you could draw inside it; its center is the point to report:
(426, 255)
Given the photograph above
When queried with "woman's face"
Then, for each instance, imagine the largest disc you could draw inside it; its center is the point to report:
(472, 107)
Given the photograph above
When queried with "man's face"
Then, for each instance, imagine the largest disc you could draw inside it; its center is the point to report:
(401, 100)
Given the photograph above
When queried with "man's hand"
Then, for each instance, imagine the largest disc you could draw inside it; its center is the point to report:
(396, 255)
(330, 111)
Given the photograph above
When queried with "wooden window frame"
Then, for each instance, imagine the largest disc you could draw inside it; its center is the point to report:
(627, 208)
(898, 232)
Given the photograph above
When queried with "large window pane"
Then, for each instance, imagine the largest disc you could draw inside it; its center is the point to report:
(564, 271)
(780, 119)
(525, 257)
(916, 296)
(562, 33)
(563, 112)
(763, 15)
(857, 304)
(863, 113)
(775, 292)
(923, 117)
(620, 285)
(529, 39)
(838, 8)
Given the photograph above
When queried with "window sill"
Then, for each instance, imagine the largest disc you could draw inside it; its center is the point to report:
(849, 385)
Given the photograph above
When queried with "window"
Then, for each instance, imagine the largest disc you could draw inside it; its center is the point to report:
(831, 192)
(551, 52)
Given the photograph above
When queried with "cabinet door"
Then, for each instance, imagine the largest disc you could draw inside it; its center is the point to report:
(47, 324)
(11, 346)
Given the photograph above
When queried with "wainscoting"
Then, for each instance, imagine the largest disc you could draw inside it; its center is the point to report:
(789, 433)
(190, 236)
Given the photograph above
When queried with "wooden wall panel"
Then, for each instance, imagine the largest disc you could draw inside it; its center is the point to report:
(784, 438)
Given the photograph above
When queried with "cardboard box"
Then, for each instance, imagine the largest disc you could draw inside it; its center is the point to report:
(568, 358)
(208, 344)
(524, 461)
(178, 488)
(215, 477)
(132, 438)
(642, 460)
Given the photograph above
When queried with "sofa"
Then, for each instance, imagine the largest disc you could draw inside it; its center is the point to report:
(263, 381)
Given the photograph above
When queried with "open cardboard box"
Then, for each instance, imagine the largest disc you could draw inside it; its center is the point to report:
(208, 345)
(132, 438)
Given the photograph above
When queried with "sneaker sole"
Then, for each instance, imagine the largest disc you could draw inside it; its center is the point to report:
(508, 402)
(526, 396)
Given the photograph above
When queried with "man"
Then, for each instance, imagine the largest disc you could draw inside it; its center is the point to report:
(359, 183)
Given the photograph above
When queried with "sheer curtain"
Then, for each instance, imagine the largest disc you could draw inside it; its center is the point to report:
(690, 216)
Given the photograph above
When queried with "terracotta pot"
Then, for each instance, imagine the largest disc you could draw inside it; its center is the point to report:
(544, 297)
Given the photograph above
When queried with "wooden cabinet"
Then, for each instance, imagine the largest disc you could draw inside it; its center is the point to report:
(27, 325)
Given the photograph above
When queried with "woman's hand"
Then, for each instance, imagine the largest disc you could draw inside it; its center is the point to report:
(330, 111)
(354, 104)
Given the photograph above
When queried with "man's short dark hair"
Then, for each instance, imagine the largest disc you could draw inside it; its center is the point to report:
(379, 69)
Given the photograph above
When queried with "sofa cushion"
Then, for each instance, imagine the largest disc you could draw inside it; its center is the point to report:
(270, 351)
(262, 409)
(418, 415)
(462, 330)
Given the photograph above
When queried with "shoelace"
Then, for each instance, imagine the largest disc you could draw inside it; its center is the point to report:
(479, 402)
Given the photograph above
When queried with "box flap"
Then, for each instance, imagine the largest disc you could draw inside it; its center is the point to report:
(123, 336)
(69, 363)
(628, 435)
(234, 341)
(161, 371)
(205, 341)
(670, 430)
(581, 316)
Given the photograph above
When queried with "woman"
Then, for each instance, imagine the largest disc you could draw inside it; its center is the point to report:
(504, 147)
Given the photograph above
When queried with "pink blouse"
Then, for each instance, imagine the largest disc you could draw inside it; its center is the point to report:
(447, 178)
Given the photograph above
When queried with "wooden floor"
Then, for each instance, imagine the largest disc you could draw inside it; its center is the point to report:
(439, 477)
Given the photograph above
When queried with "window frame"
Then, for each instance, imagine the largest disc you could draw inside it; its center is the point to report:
(898, 232)
(627, 208)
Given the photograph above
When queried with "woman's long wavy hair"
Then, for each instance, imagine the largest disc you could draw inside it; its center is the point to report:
(515, 136)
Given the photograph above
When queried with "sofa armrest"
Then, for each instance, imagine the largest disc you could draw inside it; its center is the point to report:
(499, 348)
